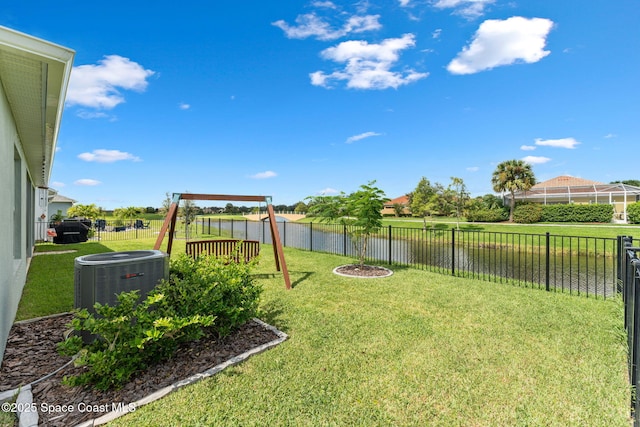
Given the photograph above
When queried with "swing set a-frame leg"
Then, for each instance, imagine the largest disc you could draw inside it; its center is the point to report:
(277, 246)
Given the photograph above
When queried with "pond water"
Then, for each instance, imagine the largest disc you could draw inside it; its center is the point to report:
(592, 272)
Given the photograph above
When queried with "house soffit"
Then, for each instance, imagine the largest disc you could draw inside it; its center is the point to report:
(34, 76)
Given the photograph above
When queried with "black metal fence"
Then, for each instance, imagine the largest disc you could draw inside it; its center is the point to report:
(108, 230)
(572, 264)
(576, 265)
(629, 279)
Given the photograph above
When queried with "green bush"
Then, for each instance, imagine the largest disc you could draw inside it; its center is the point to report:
(211, 285)
(203, 296)
(633, 213)
(577, 213)
(527, 213)
(487, 215)
(131, 335)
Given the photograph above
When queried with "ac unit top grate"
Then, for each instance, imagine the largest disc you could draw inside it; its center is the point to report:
(117, 257)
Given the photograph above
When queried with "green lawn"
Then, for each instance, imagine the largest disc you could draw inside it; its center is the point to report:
(415, 348)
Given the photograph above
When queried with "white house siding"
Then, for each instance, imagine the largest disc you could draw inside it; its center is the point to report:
(33, 73)
(13, 220)
(41, 213)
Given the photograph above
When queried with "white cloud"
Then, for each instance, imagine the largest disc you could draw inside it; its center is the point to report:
(86, 181)
(535, 160)
(473, 169)
(503, 42)
(610, 135)
(310, 25)
(57, 184)
(84, 114)
(569, 143)
(97, 86)
(404, 3)
(324, 4)
(107, 156)
(328, 191)
(527, 147)
(468, 8)
(264, 175)
(368, 66)
(436, 34)
(183, 106)
(364, 135)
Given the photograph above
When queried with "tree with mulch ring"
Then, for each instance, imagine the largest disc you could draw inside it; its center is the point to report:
(361, 214)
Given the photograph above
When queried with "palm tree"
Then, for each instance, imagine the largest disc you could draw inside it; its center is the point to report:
(512, 176)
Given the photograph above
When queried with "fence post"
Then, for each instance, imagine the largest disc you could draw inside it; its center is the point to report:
(453, 251)
(311, 236)
(548, 260)
(634, 266)
(344, 239)
(390, 245)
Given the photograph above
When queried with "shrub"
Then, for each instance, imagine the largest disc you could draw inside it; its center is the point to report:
(208, 285)
(203, 296)
(130, 337)
(527, 213)
(488, 215)
(633, 213)
(578, 213)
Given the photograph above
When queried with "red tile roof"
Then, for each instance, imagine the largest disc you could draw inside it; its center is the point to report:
(565, 181)
(403, 200)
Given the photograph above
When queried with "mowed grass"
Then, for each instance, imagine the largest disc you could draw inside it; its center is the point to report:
(415, 348)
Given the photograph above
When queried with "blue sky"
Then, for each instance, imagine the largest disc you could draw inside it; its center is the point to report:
(295, 99)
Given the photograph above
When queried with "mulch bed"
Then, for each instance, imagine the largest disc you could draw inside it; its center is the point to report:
(363, 271)
(31, 354)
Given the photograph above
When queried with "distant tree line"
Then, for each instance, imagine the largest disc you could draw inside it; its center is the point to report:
(425, 201)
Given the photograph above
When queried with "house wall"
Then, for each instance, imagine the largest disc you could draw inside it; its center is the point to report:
(389, 211)
(54, 207)
(15, 196)
(41, 213)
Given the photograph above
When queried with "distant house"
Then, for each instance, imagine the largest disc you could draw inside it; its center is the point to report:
(389, 207)
(569, 189)
(58, 202)
(34, 75)
(48, 203)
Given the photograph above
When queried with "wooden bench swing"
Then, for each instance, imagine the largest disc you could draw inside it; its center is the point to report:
(247, 249)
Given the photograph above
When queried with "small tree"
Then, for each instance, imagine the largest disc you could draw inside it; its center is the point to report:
(398, 209)
(129, 213)
(188, 212)
(360, 212)
(166, 204)
(301, 208)
(461, 197)
(84, 211)
(422, 200)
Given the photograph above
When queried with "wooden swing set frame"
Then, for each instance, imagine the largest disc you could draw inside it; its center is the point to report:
(170, 224)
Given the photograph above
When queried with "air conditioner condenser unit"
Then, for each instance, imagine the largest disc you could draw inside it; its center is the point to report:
(100, 277)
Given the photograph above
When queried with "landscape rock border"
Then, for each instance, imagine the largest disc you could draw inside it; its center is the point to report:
(24, 396)
(386, 272)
